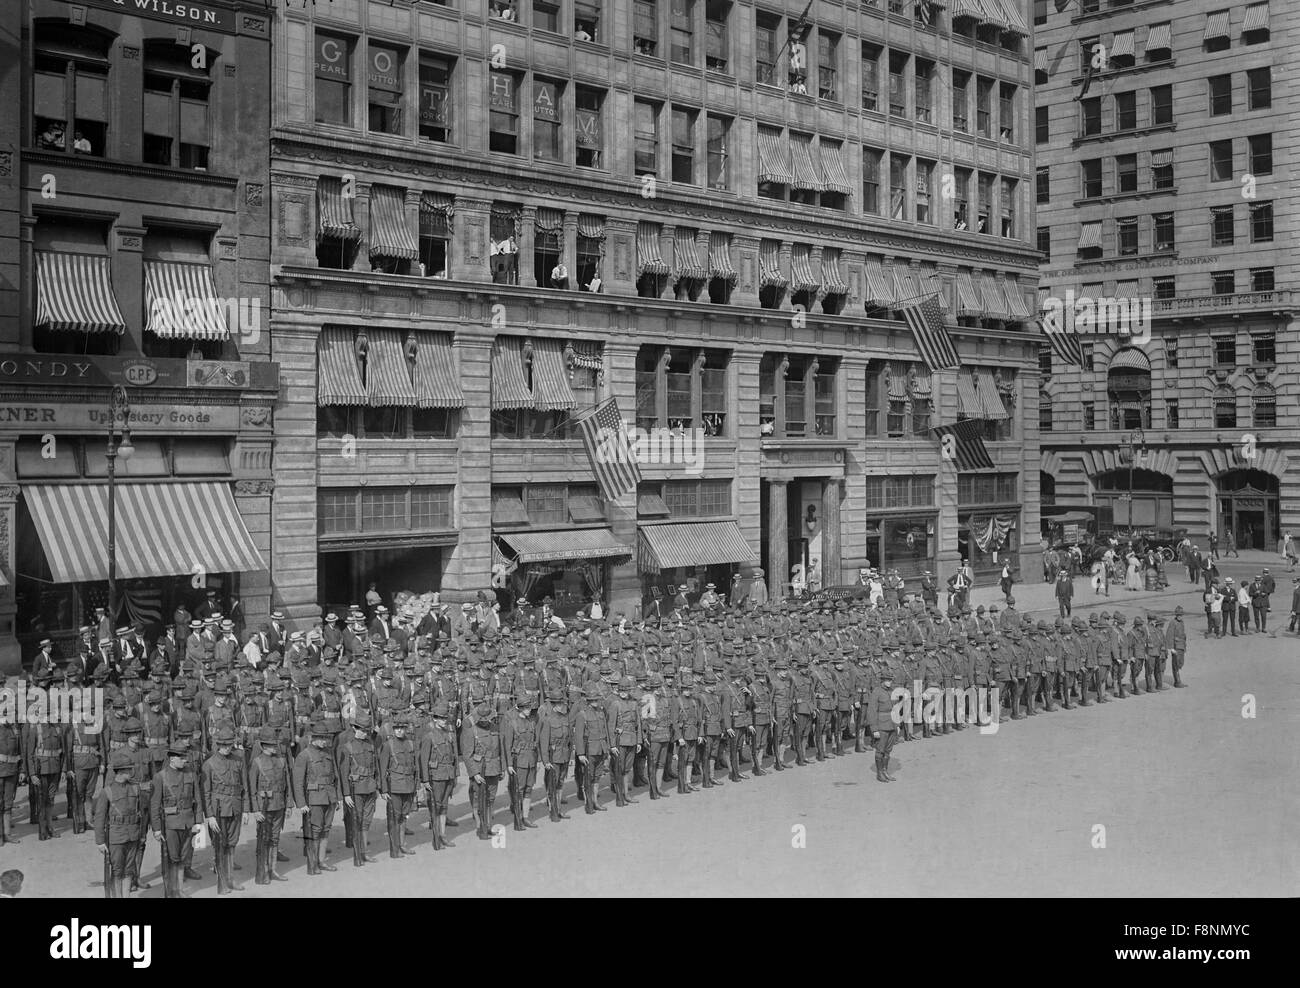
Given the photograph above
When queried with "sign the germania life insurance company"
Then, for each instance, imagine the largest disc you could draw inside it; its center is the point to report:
(190, 13)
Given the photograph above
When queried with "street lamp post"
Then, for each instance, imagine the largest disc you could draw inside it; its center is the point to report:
(119, 406)
(1132, 442)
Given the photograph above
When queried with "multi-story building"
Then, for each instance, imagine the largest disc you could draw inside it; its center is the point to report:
(134, 251)
(1164, 143)
(492, 215)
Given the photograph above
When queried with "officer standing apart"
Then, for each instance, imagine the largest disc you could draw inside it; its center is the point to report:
(880, 722)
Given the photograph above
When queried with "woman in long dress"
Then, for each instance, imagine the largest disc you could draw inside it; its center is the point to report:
(1133, 580)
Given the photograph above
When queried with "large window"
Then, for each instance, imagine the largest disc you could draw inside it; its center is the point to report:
(334, 79)
(1260, 154)
(1128, 390)
(176, 127)
(384, 88)
(697, 498)
(1261, 222)
(503, 112)
(1090, 174)
(1221, 161)
(435, 98)
(1259, 88)
(797, 396)
(70, 89)
(682, 32)
(547, 95)
(683, 168)
(682, 388)
(353, 511)
(871, 181)
(1150, 495)
(1162, 105)
(1126, 173)
(1090, 109)
(828, 65)
(905, 540)
(1163, 232)
(961, 101)
(766, 47)
(983, 107)
(1126, 115)
(719, 174)
(1220, 95)
(717, 46)
(645, 137)
(1221, 226)
(589, 127)
(645, 27)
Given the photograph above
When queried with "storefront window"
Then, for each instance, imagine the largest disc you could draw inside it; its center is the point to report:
(905, 543)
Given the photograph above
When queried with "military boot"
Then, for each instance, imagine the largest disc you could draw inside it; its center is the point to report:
(273, 855)
(442, 832)
(888, 777)
(313, 861)
(516, 810)
(321, 863)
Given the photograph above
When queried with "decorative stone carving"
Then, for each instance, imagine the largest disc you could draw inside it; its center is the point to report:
(253, 193)
(254, 487)
(6, 163)
(256, 416)
(230, 71)
(8, 492)
(130, 53)
(130, 242)
(291, 215)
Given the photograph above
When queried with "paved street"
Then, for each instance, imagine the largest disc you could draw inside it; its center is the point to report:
(1194, 798)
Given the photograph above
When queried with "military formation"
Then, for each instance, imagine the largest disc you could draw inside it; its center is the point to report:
(325, 720)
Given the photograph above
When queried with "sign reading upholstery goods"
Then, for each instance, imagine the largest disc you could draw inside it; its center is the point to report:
(188, 13)
(65, 416)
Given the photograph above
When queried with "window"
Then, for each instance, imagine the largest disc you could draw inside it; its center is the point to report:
(1225, 351)
(921, 90)
(588, 129)
(1042, 129)
(683, 146)
(1045, 361)
(1040, 12)
(984, 203)
(983, 101)
(717, 47)
(1090, 173)
(960, 101)
(1221, 161)
(1171, 413)
(505, 10)
(69, 86)
(645, 150)
(547, 96)
(1225, 408)
(1009, 207)
(667, 382)
(1220, 95)
(719, 175)
(1044, 412)
(1043, 238)
(435, 235)
(546, 16)
(681, 34)
(871, 181)
(1224, 282)
(1261, 222)
(1162, 289)
(1091, 110)
(1261, 279)
(1260, 154)
(645, 27)
(435, 105)
(766, 47)
(1007, 113)
(1126, 114)
(828, 62)
(1089, 416)
(1162, 169)
(898, 186)
(1163, 232)
(503, 112)
(1259, 88)
(1221, 226)
(897, 84)
(1263, 410)
(1089, 52)
(1127, 235)
(961, 200)
(1126, 173)
(697, 498)
(176, 131)
(924, 188)
(586, 20)
(385, 80)
(1264, 348)
(333, 79)
(1162, 105)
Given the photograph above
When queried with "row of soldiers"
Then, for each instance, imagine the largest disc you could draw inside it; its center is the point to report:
(661, 701)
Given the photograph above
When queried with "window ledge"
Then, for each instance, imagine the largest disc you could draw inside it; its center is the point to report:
(1114, 135)
(1117, 197)
(136, 169)
(1103, 12)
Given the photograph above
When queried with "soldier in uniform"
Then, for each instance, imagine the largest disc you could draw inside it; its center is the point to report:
(480, 743)
(625, 732)
(119, 822)
(174, 813)
(12, 767)
(782, 712)
(357, 773)
(591, 739)
(46, 761)
(802, 700)
(1176, 642)
(1157, 652)
(659, 719)
(397, 781)
(738, 719)
(143, 777)
(519, 741)
(711, 727)
(86, 755)
(223, 785)
(880, 722)
(438, 770)
(316, 791)
(268, 786)
(686, 729)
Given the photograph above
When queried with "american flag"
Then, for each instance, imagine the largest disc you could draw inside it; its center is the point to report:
(1066, 346)
(966, 449)
(932, 339)
(612, 458)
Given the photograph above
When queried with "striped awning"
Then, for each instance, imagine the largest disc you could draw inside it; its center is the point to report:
(334, 210)
(437, 385)
(436, 211)
(1121, 44)
(388, 373)
(1126, 289)
(389, 234)
(1158, 37)
(508, 509)
(801, 272)
(969, 302)
(74, 293)
(990, 400)
(591, 227)
(837, 175)
(995, 303)
(1011, 13)
(832, 280)
(509, 386)
(651, 504)
(918, 379)
(769, 265)
(1090, 235)
(181, 300)
(160, 530)
(338, 374)
(549, 220)
(686, 258)
(574, 543)
(1216, 26)
(709, 543)
(992, 14)
(551, 391)
(1016, 304)
(773, 157)
(588, 354)
(897, 389)
(649, 258)
(1040, 60)
(1129, 358)
(1256, 18)
(720, 265)
(929, 279)
(1159, 159)
(968, 396)
(905, 290)
(805, 171)
(967, 8)
(878, 291)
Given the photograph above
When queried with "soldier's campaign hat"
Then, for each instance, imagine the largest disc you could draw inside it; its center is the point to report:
(362, 720)
(1105, 615)
(668, 673)
(1137, 619)
(1011, 601)
(1120, 618)
(979, 609)
(331, 674)
(132, 726)
(225, 735)
(1044, 626)
(121, 761)
(442, 709)
(221, 685)
(525, 700)
(180, 748)
(484, 712)
(155, 696)
(1058, 622)
(267, 735)
(710, 679)
(319, 729)
(993, 608)
(1092, 618)
(1156, 619)
(1178, 611)
(189, 691)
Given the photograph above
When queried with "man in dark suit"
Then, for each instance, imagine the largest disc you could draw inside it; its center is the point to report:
(276, 634)
(381, 625)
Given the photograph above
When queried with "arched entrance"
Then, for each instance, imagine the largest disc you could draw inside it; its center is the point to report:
(1248, 507)
(1152, 498)
(1128, 390)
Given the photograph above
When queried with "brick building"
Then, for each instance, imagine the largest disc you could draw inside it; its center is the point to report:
(491, 215)
(1169, 180)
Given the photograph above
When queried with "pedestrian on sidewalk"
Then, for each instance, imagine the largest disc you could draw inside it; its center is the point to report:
(1214, 545)
(1289, 552)
(1243, 607)
(1064, 593)
(1295, 603)
(1230, 545)
(1006, 582)
(1213, 612)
